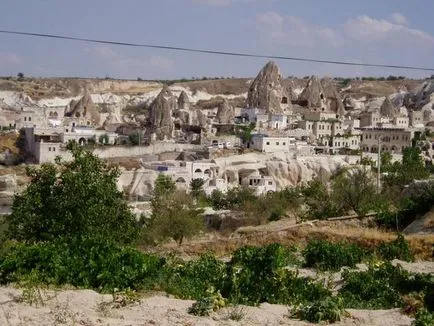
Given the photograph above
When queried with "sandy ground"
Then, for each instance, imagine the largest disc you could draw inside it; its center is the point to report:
(86, 307)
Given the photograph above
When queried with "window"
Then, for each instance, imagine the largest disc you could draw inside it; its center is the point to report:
(54, 149)
(49, 149)
(25, 118)
(277, 143)
(268, 143)
(283, 143)
(270, 183)
(30, 118)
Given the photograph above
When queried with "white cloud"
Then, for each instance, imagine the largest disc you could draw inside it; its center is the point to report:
(125, 63)
(399, 19)
(295, 31)
(371, 30)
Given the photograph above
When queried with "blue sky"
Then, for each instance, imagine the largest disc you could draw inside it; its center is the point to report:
(397, 32)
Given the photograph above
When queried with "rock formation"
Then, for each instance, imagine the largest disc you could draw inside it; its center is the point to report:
(183, 101)
(387, 109)
(313, 95)
(266, 91)
(161, 114)
(225, 113)
(333, 99)
(85, 111)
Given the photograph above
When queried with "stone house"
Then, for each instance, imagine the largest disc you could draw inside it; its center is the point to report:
(390, 140)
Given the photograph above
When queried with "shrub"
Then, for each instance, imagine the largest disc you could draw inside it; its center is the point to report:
(396, 249)
(205, 305)
(423, 318)
(382, 287)
(89, 263)
(326, 255)
(375, 288)
(72, 199)
(259, 274)
(194, 279)
(329, 310)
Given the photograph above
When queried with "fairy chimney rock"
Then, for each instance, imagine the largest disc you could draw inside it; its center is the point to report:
(266, 91)
(161, 114)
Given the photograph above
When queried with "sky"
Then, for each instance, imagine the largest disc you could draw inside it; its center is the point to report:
(396, 32)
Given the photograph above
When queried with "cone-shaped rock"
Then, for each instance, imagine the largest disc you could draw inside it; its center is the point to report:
(225, 112)
(266, 91)
(183, 101)
(387, 109)
(313, 95)
(84, 110)
(332, 97)
(161, 113)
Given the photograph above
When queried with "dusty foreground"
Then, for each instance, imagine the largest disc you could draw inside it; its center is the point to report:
(86, 307)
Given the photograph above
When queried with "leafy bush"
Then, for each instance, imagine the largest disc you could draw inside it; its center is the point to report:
(326, 255)
(206, 305)
(375, 288)
(396, 249)
(382, 287)
(194, 279)
(89, 263)
(259, 274)
(329, 310)
(202, 307)
(423, 318)
(72, 199)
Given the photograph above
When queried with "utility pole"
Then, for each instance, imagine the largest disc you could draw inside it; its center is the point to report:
(379, 164)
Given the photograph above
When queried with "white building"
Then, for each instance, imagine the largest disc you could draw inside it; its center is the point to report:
(278, 121)
(263, 143)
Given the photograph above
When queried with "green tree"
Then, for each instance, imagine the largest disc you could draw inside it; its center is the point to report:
(196, 187)
(318, 200)
(411, 168)
(174, 213)
(180, 218)
(134, 139)
(72, 199)
(354, 190)
(386, 161)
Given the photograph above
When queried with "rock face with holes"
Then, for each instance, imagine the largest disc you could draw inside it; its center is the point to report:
(161, 114)
(266, 91)
(313, 95)
(84, 111)
(332, 97)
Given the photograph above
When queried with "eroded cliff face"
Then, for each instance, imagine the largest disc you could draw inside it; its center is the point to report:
(267, 92)
(161, 114)
(285, 169)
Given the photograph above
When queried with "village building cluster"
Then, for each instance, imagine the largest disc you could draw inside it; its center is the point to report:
(316, 121)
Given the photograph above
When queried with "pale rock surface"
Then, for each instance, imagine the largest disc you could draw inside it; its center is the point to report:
(266, 91)
(388, 109)
(161, 114)
(313, 94)
(225, 112)
(85, 109)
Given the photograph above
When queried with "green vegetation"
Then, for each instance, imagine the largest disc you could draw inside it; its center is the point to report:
(72, 226)
(69, 200)
(382, 287)
(134, 138)
(326, 255)
(329, 310)
(174, 213)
